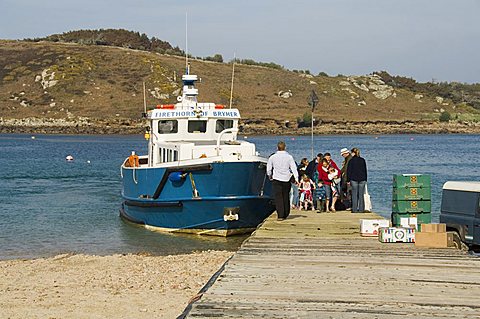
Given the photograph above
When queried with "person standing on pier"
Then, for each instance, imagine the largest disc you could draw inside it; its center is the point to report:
(313, 166)
(280, 168)
(345, 189)
(357, 176)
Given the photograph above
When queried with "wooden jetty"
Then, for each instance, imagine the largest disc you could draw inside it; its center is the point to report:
(318, 266)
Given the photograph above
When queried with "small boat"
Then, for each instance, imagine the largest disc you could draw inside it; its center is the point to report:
(197, 177)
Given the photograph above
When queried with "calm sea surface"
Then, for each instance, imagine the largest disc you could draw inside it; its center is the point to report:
(49, 206)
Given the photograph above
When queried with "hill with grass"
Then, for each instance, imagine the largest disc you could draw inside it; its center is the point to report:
(95, 85)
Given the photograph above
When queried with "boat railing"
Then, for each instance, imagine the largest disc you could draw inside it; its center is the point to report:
(228, 130)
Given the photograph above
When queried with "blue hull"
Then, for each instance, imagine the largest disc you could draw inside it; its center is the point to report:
(215, 199)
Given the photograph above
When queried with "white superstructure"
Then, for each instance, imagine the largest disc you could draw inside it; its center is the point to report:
(192, 131)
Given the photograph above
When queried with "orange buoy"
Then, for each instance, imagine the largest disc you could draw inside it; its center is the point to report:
(133, 160)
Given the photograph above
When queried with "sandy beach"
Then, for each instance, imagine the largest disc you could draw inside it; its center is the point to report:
(117, 286)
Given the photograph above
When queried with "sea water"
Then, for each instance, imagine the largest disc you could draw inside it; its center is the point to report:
(50, 206)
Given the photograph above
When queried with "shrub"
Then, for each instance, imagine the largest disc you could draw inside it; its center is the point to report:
(306, 120)
(445, 117)
(215, 58)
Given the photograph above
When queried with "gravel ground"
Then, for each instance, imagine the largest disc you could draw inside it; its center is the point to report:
(118, 286)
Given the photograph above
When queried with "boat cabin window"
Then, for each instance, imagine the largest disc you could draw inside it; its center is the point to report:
(197, 126)
(168, 126)
(223, 125)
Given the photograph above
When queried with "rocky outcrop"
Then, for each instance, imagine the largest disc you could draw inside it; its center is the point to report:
(247, 127)
(285, 94)
(418, 97)
(81, 125)
(157, 93)
(370, 84)
(368, 128)
(46, 79)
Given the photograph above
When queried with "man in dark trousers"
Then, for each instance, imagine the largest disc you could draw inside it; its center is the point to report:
(357, 177)
(280, 167)
(345, 194)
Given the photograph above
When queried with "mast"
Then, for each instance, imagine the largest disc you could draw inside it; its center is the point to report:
(233, 75)
(144, 100)
(186, 43)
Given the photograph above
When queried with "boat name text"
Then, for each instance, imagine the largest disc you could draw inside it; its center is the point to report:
(177, 114)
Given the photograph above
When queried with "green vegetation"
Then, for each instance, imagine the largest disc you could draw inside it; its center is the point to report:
(135, 40)
(215, 58)
(264, 64)
(114, 37)
(456, 92)
(301, 71)
(445, 117)
(306, 120)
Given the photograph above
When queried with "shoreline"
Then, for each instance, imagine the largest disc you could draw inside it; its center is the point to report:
(115, 286)
(134, 127)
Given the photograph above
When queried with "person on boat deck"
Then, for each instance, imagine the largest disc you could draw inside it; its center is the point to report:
(280, 168)
(357, 177)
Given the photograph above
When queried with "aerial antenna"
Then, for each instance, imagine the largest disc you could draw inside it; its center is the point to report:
(144, 100)
(312, 101)
(186, 43)
(233, 75)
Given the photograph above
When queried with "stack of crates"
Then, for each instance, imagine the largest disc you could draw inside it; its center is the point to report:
(411, 199)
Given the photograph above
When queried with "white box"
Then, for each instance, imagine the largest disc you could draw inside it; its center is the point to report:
(409, 222)
(369, 227)
(396, 235)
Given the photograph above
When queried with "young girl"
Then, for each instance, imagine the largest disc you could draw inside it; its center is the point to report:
(333, 175)
(306, 190)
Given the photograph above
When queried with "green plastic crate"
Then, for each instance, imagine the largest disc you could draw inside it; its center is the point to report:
(422, 218)
(412, 193)
(411, 206)
(411, 180)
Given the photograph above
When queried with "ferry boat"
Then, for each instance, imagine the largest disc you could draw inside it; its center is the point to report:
(197, 177)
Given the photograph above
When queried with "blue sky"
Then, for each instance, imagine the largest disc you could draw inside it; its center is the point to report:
(421, 39)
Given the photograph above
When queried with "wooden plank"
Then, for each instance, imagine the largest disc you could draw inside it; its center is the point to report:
(317, 265)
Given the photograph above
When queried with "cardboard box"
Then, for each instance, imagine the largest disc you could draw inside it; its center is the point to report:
(433, 228)
(412, 193)
(411, 206)
(369, 227)
(396, 235)
(434, 240)
(411, 180)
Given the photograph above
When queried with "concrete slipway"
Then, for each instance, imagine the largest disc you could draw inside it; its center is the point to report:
(318, 266)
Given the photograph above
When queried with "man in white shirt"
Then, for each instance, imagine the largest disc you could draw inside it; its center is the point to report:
(280, 167)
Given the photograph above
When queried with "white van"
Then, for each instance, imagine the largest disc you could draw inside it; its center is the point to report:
(461, 210)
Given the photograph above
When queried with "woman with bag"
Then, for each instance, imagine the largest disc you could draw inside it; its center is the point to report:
(357, 177)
